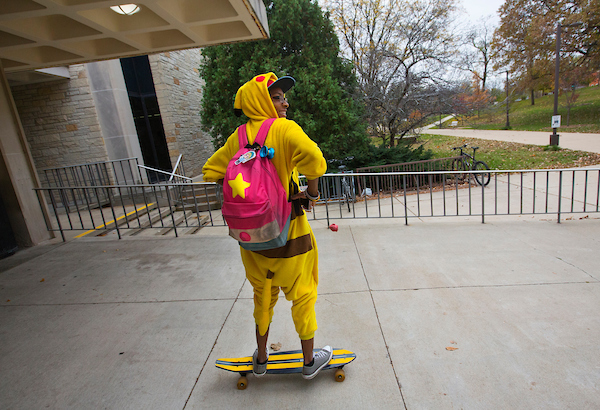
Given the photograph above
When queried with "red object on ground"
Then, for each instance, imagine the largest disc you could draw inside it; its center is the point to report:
(333, 227)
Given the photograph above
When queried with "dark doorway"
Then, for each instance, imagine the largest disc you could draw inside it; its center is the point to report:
(8, 244)
(146, 114)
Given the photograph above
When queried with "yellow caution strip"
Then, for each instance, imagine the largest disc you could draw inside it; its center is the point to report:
(113, 221)
(283, 361)
(234, 368)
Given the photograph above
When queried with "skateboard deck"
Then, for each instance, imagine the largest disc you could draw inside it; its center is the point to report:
(284, 363)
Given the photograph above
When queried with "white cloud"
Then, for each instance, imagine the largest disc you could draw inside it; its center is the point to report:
(477, 9)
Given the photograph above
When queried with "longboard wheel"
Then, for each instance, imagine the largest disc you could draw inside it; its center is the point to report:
(340, 375)
(242, 383)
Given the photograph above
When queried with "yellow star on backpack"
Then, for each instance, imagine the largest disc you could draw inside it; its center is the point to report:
(238, 186)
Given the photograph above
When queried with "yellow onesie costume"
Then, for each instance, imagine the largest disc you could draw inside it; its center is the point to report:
(293, 267)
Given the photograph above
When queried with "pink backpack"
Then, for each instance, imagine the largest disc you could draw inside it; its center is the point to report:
(255, 204)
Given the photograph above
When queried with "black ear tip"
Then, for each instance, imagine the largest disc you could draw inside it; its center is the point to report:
(237, 112)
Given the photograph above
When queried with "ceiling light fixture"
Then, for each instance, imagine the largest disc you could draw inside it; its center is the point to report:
(127, 9)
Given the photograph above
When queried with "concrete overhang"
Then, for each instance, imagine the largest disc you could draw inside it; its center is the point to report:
(37, 34)
(41, 75)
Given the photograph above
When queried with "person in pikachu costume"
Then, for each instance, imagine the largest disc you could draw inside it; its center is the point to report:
(293, 267)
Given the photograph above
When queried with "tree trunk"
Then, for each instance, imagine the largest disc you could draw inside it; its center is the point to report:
(532, 97)
(392, 139)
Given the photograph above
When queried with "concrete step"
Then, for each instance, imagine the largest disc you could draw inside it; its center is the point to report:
(200, 206)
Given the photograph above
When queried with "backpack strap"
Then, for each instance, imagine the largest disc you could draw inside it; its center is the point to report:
(260, 137)
(242, 136)
(263, 131)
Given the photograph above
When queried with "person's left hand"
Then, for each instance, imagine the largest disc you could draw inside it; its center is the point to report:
(306, 204)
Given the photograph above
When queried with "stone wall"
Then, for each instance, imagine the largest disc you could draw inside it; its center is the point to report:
(179, 92)
(60, 121)
(62, 125)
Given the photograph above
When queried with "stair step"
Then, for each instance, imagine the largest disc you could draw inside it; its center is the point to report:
(132, 216)
(178, 220)
(202, 207)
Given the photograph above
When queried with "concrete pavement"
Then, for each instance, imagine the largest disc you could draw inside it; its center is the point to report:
(571, 140)
(444, 315)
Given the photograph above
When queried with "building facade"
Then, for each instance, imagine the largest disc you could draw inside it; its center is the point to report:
(40, 38)
(91, 116)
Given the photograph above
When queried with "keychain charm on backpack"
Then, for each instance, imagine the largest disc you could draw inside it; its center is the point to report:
(250, 155)
(267, 152)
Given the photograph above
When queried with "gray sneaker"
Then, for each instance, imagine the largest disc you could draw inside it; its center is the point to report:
(259, 370)
(321, 358)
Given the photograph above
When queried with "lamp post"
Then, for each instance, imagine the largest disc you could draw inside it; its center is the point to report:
(507, 121)
(554, 136)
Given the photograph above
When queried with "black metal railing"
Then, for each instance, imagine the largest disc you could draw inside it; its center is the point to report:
(456, 193)
(415, 168)
(118, 172)
(134, 208)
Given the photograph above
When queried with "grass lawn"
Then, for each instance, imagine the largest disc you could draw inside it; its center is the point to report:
(510, 155)
(584, 115)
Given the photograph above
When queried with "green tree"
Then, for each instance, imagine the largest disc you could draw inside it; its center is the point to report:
(524, 43)
(583, 39)
(302, 44)
(526, 39)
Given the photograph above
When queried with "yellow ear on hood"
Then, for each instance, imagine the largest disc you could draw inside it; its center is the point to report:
(253, 98)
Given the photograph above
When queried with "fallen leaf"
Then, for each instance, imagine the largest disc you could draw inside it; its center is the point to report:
(276, 347)
(452, 348)
(43, 280)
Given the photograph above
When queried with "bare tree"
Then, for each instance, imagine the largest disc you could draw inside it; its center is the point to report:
(479, 56)
(399, 49)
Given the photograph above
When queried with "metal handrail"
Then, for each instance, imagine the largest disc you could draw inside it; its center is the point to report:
(411, 164)
(91, 163)
(171, 174)
(137, 207)
(414, 167)
(134, 207)
(494, 193)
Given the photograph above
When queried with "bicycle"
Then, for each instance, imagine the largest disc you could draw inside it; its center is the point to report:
(346, 189)
(467, 162)
(346, 192)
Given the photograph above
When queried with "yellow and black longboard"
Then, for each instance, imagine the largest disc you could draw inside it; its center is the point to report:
(284, 363)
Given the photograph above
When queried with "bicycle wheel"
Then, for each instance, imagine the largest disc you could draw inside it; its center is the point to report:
(346, 191)
(458, 165)
(482, 178)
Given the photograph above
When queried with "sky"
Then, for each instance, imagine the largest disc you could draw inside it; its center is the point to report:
(476, 9)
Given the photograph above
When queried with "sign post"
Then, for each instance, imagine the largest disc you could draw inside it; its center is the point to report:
(554, 136)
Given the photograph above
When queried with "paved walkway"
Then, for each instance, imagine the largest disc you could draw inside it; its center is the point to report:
(570, 140)
(444, 313)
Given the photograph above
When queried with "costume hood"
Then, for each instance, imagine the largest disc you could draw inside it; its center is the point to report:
(254, 100)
